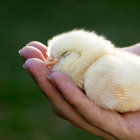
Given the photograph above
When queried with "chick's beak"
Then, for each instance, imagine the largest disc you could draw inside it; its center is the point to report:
(50, 61)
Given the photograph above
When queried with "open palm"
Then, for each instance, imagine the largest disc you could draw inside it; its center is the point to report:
(70, 103)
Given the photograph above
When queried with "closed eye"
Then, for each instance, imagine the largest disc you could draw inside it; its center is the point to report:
(65, 54)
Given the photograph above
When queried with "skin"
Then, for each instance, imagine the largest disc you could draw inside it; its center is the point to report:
(70, 103)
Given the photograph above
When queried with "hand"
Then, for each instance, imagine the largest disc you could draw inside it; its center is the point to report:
(134, 49)
(70, 103)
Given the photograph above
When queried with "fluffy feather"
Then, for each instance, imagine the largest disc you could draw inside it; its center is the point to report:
(109, 76)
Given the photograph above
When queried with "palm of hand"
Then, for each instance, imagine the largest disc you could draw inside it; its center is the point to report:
(71, 104)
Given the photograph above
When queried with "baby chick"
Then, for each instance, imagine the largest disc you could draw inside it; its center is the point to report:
(109, 76)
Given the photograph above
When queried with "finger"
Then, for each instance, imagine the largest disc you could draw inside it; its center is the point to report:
(31, 52)
(26, 53)
(38, 70)
(57, 112)
(39, 46)
(93, 114)
(133, 49)
(93, 129)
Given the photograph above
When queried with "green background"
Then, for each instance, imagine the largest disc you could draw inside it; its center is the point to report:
(24, 113)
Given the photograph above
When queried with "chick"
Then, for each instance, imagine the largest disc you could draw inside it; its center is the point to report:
(109, 76)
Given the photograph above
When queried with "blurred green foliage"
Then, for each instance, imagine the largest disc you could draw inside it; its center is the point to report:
(24, 113)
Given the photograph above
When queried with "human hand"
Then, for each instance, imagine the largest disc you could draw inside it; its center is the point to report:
(70, 103)
(133, 49)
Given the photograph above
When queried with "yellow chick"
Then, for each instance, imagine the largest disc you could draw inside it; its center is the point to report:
(109, 76)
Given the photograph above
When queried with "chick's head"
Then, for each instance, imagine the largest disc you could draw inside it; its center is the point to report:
(64, 43)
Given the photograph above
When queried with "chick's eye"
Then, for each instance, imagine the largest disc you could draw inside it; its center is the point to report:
(65, 54)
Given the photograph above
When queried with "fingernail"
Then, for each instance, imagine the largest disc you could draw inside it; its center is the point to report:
(24, 66)
(20, 53)
(51, 79)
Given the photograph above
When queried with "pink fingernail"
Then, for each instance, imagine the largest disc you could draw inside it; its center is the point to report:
(20, 53)
(51, 79)
(24, 66)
